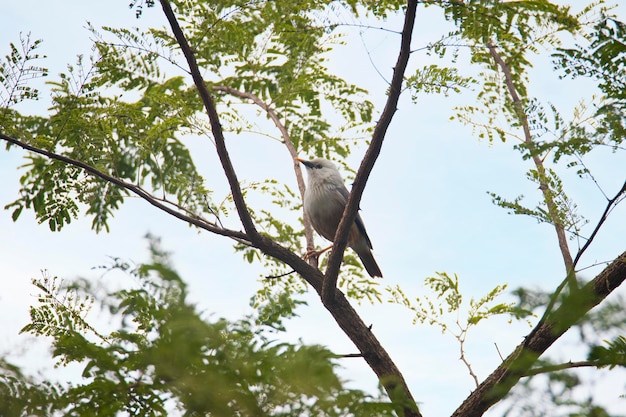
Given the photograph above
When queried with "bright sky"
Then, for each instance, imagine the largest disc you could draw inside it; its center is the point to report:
(426, 209)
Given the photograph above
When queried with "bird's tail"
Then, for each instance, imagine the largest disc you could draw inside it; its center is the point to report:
(367, 258)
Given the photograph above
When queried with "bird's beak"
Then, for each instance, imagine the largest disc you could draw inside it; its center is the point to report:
(304, 162)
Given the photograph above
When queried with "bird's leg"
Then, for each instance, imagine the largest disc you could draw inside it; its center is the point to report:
(316, 253)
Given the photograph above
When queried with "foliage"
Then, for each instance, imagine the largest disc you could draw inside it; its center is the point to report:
(129, 111)
(553, 386)
(253, 49)
(448, 311)
(17, 70)
(132, 141)
(21, 395)
(140, 141)
(433, 79)
(612, 355)
(449, 298)
(517, 29)
(602, 59)
(566, 213)
(556, 394)
(163, 355)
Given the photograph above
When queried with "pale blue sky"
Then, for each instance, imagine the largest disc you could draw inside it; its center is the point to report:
(425, 207)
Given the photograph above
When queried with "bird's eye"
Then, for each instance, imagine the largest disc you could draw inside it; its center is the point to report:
(318, 166)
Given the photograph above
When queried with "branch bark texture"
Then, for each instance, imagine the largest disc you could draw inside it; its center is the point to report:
(353, 326)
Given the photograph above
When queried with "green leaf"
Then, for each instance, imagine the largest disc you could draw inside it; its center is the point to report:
(611, 355)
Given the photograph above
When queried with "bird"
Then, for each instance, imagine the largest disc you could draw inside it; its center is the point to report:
(325, 198)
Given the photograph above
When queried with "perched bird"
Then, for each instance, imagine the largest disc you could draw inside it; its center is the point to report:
(325, 198)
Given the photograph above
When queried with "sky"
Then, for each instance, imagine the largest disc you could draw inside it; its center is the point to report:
(426, 209)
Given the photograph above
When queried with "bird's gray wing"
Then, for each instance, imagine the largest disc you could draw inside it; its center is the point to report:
(343, 191)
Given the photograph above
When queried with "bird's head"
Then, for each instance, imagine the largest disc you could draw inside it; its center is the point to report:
(321, 170)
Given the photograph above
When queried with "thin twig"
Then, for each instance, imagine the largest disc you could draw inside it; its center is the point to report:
(611, 203)
(368, 27)
(498, 350)
(588, 172)
(280, 275)
(461, 339)
(593, 265)
(348, 355)
(369, 56)
(561, 367)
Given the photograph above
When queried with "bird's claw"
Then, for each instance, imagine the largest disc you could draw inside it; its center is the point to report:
(314, 253)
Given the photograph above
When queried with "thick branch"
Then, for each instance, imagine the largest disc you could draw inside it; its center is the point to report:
(135, 189)
(350, 211)
(353, 326)
(308, 228)
(518, 364)
(541, 170)
(216, 127)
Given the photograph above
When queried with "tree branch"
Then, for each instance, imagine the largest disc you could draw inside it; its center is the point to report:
(349, 214)
(216, 127)
(611, 203)
(518, 363)
(562, 367)
(353, 326)
(609, 206)
(541, 170)
(461, 337)
(347, 318)
(135, 189)
(308, 228)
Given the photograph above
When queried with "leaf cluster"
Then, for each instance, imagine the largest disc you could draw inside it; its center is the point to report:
(164, 355)
(433, 79)
(565, 210)
(21, 395)
(602, 59)
(122, 112)
(448, 300)
(517, 29)
(18, 69)
(133, 141)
